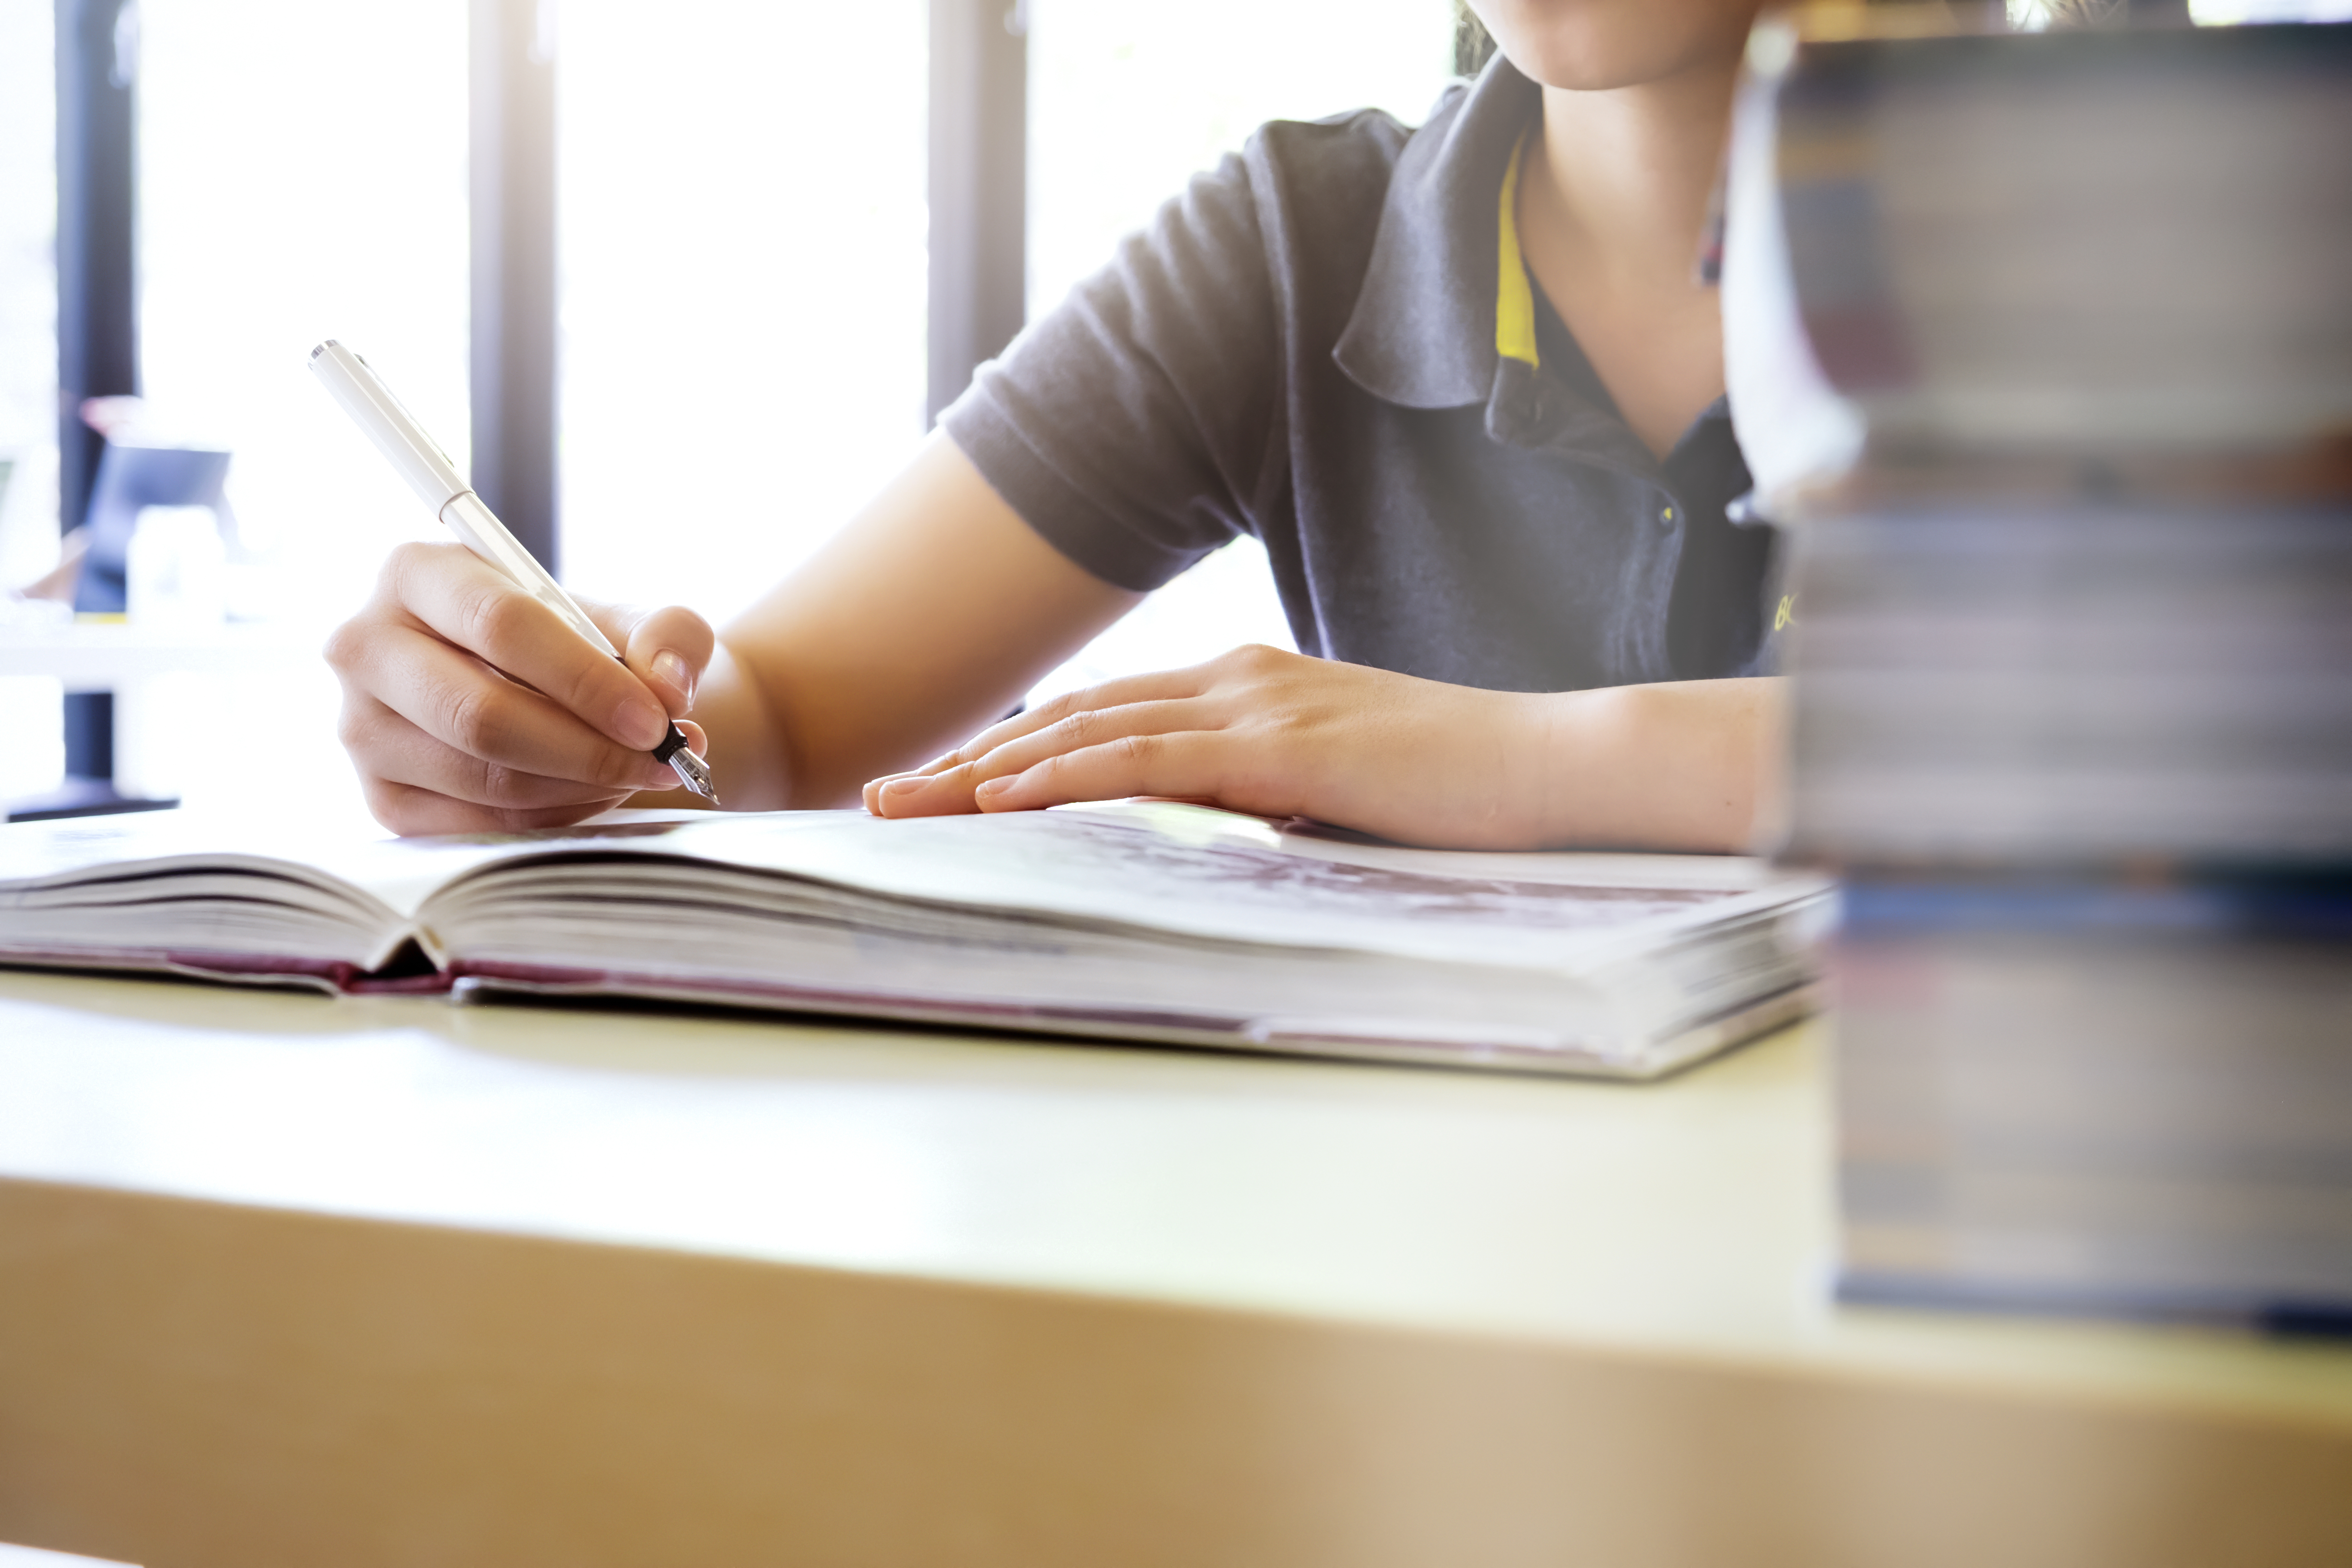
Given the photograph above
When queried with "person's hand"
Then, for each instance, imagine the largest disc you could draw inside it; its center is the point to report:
(1256, 729)
(469, 706)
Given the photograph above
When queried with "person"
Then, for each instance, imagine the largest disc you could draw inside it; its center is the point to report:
(1464, 381)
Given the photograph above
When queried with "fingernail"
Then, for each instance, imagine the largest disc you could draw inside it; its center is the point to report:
(672, 667)
(641, 724)
(905, 785)
(997, 786)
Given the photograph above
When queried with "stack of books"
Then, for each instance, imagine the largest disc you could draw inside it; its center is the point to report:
(2087, 771)
(2071, 640)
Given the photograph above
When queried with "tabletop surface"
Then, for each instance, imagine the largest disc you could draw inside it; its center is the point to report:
(1689, 1219)
(89, 656)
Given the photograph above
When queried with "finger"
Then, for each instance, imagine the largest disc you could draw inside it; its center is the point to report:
(465, 603)
(1159, 685)
(387, 746)
(409, 811)
(667, 648)
(452, 698)
(1188, 764)
(874, 788)
(951, 790)
(917, 794)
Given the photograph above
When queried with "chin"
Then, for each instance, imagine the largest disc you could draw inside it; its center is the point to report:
(1591, 45)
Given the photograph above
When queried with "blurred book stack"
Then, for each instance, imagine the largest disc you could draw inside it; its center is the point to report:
(2071, 627)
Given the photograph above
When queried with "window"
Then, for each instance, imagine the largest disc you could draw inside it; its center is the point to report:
(28, 292)
(742, 260)
(31, 752)
(741, 219)
(1128, 99)
(742, 231)
(302, 174)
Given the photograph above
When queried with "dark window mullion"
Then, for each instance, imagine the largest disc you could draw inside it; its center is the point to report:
(979, 188)
(514, 335)
(98, 339)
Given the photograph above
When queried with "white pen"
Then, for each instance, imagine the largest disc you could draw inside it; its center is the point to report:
(432, 475)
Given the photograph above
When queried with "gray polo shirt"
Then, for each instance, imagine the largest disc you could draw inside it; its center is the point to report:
(1329, 342)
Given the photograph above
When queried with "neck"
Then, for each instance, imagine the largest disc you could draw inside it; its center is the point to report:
(1628, 173)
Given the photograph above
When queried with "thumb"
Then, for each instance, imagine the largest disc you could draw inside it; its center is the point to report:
(667, 648)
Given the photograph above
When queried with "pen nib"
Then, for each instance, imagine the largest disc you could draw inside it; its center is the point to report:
(692, 772)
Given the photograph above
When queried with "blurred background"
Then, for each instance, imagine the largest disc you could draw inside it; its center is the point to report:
(743, 277)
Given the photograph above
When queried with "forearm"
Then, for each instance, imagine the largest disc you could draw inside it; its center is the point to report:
(1678, 765)
(750, 760)
(922, 622)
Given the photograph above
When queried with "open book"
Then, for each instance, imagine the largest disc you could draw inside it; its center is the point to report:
(1137, 920)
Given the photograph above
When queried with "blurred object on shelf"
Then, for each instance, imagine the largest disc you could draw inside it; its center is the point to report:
(28, 519)
(157, 512)
(33, 610)
(175, 572)
(131, 478)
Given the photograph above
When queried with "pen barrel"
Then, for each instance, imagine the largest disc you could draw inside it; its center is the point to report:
(417, 457)
(427, 468)
(478, 528)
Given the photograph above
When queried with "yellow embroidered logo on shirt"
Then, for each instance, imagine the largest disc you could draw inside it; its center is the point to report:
(1786, 613)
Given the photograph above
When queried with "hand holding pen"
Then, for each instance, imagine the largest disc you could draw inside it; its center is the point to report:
(478, 693)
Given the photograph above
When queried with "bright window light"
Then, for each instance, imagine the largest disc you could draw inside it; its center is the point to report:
(1127, 100)
(1130, 99)
(28, 293)
(302, 174)
(742, 262)
(2237, 12)
(741, 211)
(32, 747)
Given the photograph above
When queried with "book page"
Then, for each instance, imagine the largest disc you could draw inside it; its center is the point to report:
(1141, 864)
(1216, 875)
(390, 875)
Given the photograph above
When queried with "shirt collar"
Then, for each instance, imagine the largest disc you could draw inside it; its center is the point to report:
(1431, 327)
(1514, 297)
(1448, 315)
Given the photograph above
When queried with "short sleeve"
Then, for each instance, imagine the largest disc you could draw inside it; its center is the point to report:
(1131, 426)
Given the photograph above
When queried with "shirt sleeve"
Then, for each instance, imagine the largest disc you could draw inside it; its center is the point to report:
(1131, 426)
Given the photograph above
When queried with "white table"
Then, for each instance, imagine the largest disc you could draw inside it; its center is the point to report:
(98, 656)
(166, 684)
(290, 1280)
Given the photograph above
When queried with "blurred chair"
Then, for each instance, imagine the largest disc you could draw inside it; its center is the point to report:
(129, 477)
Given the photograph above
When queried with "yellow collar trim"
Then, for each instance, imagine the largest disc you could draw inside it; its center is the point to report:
(1515, 301)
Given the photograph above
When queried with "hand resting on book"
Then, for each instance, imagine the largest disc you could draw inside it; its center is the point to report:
(1419, 761)
(1262, 731)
